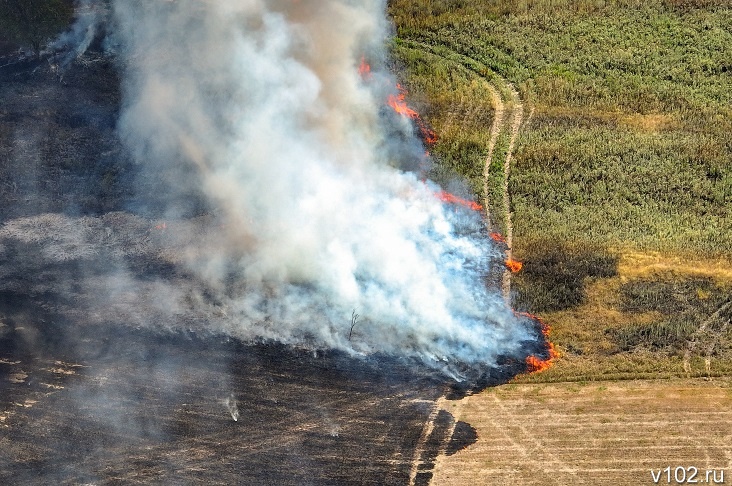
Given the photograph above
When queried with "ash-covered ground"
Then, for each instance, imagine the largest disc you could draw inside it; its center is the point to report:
(131, 386)
(137, 407)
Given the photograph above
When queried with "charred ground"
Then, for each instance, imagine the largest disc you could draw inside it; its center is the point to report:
(114, 390)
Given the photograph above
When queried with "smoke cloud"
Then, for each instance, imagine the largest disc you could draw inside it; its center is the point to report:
(257, 109)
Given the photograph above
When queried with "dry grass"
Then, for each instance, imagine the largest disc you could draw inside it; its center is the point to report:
(602, 337)
(635, 264)
(594, 434)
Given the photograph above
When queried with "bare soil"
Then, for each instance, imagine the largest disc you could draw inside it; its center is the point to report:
(594, 433)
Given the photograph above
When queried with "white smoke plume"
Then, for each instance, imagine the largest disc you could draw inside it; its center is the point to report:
(259, 104)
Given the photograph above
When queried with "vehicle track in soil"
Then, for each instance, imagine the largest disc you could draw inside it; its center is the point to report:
(516, 121)
(507, 104)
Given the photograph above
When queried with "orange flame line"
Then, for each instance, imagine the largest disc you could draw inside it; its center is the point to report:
(533, 363)
(399, 105)
(498, 237)
(396, 101)
(445, 196)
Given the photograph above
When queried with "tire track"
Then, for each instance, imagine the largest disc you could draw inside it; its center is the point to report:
(518, 114)
(496, 127)
(419, 450)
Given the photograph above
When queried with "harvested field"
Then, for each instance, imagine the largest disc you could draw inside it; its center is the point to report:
(593, 433)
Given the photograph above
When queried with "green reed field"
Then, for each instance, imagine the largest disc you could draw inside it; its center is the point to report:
(621, 178)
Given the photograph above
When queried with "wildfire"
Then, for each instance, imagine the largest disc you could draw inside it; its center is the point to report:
(498, 237)
(533, 363)
(399, 105)
(537, 365)
(514, 265)
(364, 69)
(445, 196)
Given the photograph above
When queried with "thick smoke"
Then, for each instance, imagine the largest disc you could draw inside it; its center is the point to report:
(259, 107)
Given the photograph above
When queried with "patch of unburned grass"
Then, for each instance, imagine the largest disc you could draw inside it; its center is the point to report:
(631, 136)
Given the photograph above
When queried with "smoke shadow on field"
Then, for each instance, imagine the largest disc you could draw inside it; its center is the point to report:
(463, 437)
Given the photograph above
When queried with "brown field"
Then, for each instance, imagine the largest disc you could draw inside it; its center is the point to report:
(593, 433)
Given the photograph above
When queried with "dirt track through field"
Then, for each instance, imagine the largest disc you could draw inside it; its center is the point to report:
(496, 127)
(518, 114)
(593, 434)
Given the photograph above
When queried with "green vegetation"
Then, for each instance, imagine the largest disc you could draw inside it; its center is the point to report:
(623, 166)
(33, 23)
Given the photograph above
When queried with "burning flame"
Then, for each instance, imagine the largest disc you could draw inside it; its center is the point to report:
(498, 237)
(399, 105)
(364, 69)
(445, 196)
(535, 364)
(514, 265)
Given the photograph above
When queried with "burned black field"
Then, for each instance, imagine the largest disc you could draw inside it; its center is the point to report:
(134, 407)
(124, 388)
(89, 402)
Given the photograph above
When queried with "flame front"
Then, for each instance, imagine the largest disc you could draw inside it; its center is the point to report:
(535, 364)
(445, 196)
(399, 105)
(514, 266)
(498, 237)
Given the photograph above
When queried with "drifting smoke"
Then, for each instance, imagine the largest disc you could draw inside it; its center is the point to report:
(259, 106)
(75, 42)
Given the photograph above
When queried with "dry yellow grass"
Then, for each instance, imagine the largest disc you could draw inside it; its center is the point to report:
(649, 123)
(581, 333)
(593, 434)
(635, 264)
